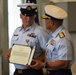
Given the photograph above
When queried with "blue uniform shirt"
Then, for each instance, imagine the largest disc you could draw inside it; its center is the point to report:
(39, 39)
(60, 46)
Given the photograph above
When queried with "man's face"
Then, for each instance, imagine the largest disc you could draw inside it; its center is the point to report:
(27, 20)
(48, 23)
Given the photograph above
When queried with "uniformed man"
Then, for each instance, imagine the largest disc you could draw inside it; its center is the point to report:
(31, 35)
(59, 56)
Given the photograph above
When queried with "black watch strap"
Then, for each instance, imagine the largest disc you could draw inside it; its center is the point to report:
(46, 65)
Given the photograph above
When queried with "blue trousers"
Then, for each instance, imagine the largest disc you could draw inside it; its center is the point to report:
(59, 72)
(28, 72)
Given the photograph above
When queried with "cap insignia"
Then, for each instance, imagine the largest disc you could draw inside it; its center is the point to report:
(61, 34)
(29, 8)
(45, 17)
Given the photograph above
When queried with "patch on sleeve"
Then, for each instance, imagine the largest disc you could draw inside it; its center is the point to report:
(61, 34)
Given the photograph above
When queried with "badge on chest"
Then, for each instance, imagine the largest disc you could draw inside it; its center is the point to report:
(32, 35)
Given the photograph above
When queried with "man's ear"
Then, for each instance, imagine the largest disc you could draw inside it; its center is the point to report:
(52, 22)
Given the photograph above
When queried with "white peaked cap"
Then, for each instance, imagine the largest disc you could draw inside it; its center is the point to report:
(55, 12)
(25, 5)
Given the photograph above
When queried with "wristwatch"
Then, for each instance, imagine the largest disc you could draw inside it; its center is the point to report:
(46, 65)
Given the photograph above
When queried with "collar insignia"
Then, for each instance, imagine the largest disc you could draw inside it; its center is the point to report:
(61, 34)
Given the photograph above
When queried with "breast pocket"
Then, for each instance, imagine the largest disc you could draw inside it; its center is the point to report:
(15, 38)
(32, 42)
(49, 48)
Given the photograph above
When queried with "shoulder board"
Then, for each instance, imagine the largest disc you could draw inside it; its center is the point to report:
(61, 34)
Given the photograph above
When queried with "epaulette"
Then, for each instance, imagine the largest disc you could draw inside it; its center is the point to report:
(61, 34)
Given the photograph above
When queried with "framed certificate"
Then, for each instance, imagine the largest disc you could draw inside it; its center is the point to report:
(21, 55)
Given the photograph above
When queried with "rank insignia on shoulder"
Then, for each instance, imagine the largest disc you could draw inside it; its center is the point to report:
(32, 35)
(61, 34)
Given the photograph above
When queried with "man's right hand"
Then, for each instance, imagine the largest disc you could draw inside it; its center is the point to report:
(7, 55)
(37, 64)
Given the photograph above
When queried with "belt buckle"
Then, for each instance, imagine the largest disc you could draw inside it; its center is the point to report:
(48, 72)
(20, 71)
